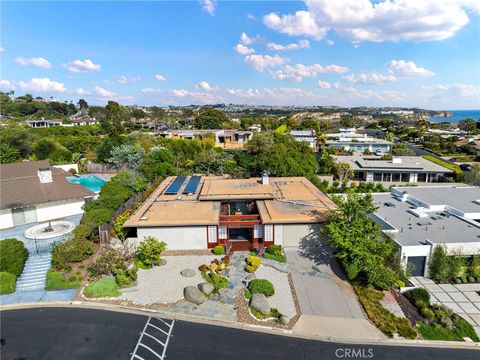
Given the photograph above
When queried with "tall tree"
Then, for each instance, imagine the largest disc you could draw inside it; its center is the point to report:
(82, 104)
(210, 118)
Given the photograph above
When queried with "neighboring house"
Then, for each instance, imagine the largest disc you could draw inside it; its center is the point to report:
(407, 169)
(349, 140)
(223, 138)
(307, 136)
(34, 191)
(421, 218)
(43, 123)
(474, 143)
(83, 121)
(242, 214)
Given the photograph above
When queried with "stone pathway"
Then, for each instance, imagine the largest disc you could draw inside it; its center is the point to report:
(37, 296)
(463, 299)
(34, 273)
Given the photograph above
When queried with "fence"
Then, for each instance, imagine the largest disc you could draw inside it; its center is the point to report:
(103, 168)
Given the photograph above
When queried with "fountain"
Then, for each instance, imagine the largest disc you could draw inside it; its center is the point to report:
(49, 230)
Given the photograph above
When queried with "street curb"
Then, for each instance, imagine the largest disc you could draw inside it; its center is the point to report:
(241, 326)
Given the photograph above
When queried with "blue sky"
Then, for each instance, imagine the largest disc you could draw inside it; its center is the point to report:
(345, 53)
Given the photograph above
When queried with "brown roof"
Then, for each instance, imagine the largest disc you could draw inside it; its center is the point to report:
(20, 185)
(474, 143)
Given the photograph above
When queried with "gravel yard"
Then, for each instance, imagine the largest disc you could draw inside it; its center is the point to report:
(282, 300)
(164, 284)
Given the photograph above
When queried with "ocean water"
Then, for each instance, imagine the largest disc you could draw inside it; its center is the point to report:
(457, 116)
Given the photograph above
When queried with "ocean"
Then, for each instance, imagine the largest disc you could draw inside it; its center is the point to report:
(457, 116)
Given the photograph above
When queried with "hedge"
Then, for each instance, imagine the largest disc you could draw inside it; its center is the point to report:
(455, 168)
(7, 283)
(13, 256)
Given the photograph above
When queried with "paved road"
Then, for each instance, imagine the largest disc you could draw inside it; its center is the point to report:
(72, 333)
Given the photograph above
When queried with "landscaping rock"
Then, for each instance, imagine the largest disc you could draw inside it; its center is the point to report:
(205, 288)
(193, 295)
(284, 320)
(260, 303)
(188, 272)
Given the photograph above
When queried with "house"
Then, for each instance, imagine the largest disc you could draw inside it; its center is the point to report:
(230, 139)
(42, 123)
(34, 191)
(406, 169)
(83, 121)
(307, 136)
(242, 214)
(350, 140)
(420, 218)
(473, 143)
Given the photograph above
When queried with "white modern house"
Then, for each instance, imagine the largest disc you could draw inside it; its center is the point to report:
(420, 218)
(350, 140)
(307, 136)
(34, 191)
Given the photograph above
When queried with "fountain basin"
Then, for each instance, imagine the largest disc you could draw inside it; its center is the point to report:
(49, 230)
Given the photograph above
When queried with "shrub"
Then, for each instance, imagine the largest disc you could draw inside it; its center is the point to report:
(71, 251)
(126, 278)
(464, 329)
(108, 262)
(8, 282)
(458, 267)
(439, 265)
(149, 251)
(253, 263)
(471, 279)
(247, 294)
(436, 332)
(418, 296)
(261, 286)
(458, 173)
(275, 250)
(58, 281)
(219, 250)
(218, 281)
(13, 256)
(274, 313)
(474, 269)
(105, 287)
(118, 229)
(203, 268)
(382, 277)
(428, 313)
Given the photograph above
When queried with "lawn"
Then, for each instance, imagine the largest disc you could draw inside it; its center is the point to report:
(105, 287)
(58, 281)
(7, 283)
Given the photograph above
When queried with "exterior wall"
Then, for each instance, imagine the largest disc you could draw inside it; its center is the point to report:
(6, 219)
(177, 238)
(59, 209)
(278, 234)
(293, 234)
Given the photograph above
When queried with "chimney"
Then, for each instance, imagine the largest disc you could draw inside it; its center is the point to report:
(396, 160)
(265, 178)
(45, 175)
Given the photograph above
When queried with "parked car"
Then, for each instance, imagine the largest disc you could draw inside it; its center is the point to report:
(466, 167)
(378, 152)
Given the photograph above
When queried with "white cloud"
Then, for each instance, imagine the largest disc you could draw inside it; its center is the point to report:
(77, 66)
(262, 62)
(402, 68)
(368, 20)
(189, 96)
(302, 44)
(6, 84)
(42, 85)
(82, 92)
(456, 90)
(209, 6)
(327, 85)
(251, 17)
(34, 61)
(149, 90)
(160, 77)
(125, 80)
(370, 78)
(246, 40)
(243, 50)
(205, 86)
(2, 49)
(330, 42)
(300, 71)
(180, 93)
(104, 93)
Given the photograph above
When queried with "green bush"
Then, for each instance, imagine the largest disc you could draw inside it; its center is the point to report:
(218, 281)
(428, 313)
(247, 294)
(105, 287)
(418, 296)
(58, 281)
(149, 252)
(8, 282)
(464, 329)
(108, 262)
(70, 251)
(459, 176)
(253, 263)
(436, 332)
(275, 250)
(13, 256)
(458, 267)
(439, 265)
(280, 258)
(474, 269)
(382, 277)
(219, 250)
(274, 313)
(261, 286)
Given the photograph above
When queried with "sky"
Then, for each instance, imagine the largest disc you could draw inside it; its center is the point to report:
(410, 53)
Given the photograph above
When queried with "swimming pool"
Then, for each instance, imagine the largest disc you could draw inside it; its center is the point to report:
(92, 182)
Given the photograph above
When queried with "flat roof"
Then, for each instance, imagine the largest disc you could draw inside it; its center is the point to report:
(413, 230)
(465, 199)
(407, 163)
(283, 200)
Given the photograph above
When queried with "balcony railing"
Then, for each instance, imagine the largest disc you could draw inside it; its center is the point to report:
(240, 218)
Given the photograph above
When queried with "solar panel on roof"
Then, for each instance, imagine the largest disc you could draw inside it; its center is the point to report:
(192, 185)
(174, 187)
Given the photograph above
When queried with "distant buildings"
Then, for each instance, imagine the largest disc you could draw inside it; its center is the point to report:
(307, 136)
(230, 139)
(350, 140)
(33, 191)
(405, 169)
(419, 219)
(74, 121)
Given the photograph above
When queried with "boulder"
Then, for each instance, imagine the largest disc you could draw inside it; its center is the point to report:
(188, 272)
(205, 288)
(193, 295)
(284, 320)
(260, 303)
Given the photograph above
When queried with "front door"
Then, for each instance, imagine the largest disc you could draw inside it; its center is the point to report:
(240, 234)
(419, 263)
